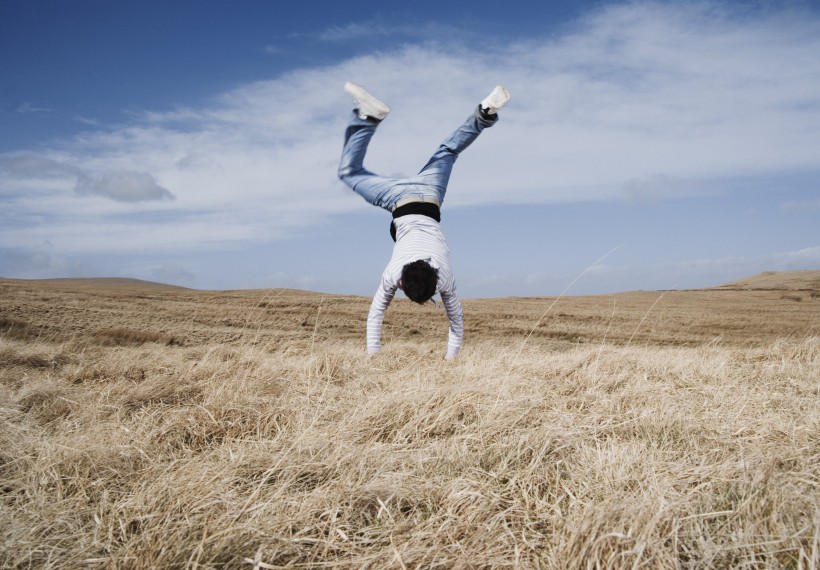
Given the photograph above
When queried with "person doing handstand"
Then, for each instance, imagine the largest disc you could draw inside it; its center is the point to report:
(420, 263)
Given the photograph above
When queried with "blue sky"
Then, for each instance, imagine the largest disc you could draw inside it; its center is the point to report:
(648, 145)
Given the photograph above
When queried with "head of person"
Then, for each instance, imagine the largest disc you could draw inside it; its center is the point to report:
(419, 280)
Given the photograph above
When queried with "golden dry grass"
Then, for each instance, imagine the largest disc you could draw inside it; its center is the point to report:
(152, 427)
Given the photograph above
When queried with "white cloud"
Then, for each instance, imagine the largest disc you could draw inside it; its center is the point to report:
(805, 258)
(87, 121)
(35, 167)
(172, 273)
(124, 187)
(41, 263)
(26, 108)
(655, 186)
(705, 272)
(286, 281)
(802, 205)
(352, 31)
(642, 99)
(355, 31)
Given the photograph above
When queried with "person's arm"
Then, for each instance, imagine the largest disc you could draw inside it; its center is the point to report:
(381, 300)
(452, 305)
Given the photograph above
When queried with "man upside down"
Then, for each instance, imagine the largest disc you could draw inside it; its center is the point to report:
(420, 263)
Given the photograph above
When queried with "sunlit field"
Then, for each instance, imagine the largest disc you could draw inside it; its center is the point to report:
(147, 426)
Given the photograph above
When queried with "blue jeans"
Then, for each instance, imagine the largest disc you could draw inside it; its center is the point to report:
(430, 182)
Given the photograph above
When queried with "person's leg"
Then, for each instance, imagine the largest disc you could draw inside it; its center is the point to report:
(431, 181)
(436, 173)
(378, 190)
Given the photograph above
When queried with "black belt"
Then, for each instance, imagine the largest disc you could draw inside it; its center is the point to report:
(429, 209)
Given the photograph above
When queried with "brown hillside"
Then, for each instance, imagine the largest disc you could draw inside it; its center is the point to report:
(808, 280)
(92, 283)
(64, 309)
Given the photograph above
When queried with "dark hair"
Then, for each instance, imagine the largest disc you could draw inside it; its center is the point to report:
(419, 280)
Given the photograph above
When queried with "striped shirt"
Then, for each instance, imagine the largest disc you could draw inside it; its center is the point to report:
(417, 237)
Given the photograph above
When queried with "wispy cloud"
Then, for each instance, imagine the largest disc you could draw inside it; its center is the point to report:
(705, 271)
(808, 205)
(35, 167)
(27, 107)
(656, 186)
(40, 263)
(121, 186)
(172, 273)
(642, 100)
(353, 31)
(124, 187)
(87, 121)
(375, 29)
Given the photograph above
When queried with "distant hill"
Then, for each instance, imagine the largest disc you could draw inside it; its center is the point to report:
(101, 283)
(808, 280)
(777, 281)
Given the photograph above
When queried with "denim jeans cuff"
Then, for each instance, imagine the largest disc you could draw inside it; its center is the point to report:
(484, 120)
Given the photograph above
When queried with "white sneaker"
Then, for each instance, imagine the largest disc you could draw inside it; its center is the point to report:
(366, 104)
(495, 100)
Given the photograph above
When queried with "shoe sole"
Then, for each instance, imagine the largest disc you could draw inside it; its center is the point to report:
(361, 96)
(492, 101)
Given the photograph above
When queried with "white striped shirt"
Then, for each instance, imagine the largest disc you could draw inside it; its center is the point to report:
(417, 237)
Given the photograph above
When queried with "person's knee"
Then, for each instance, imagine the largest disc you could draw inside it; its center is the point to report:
(345, 171)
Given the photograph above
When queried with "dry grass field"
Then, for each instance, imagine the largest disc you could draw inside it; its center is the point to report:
(146, 426)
